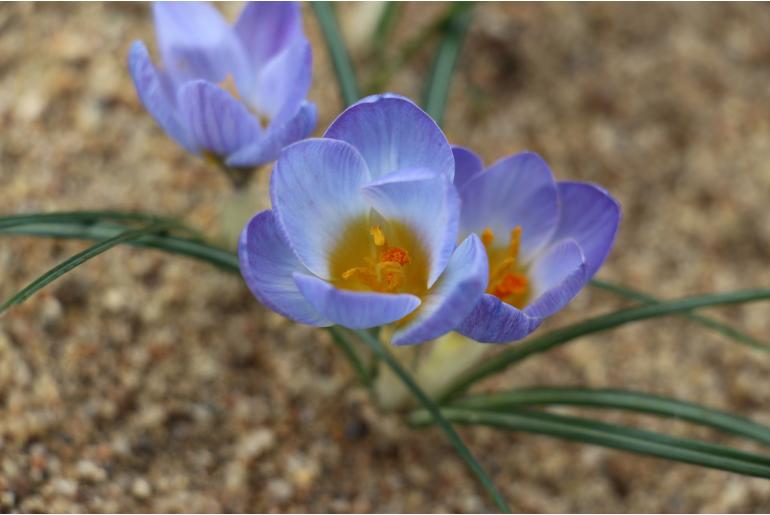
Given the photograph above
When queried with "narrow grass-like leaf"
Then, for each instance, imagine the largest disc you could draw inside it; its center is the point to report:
(346, 346)
(434, 413)
(620, 399)
(385, 25)
(77, 260)
(547, 341)
(711, 323)
(193, 248)
(440, 79)
(343, 67)
(609, 435)
(94, 217)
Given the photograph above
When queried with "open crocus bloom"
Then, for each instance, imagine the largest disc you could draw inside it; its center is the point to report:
(232, 93)
(544, 239)
(363, 228)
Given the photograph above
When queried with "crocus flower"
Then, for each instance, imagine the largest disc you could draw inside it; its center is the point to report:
(363, 228)
(232, 93)
(544, 239)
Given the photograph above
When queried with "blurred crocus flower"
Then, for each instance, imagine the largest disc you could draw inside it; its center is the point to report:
(232, 93)
(545, 240)
(363, 227)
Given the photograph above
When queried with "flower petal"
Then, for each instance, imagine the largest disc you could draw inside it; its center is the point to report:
(196, 42)
(316, 193)
(266, 28)
(354, 309)
(426, 202)
(494, 321)
(217, 122)
(392, 133)
(267, 265)
(300, 126)
(452, 298)
(517, 190)
(282, 84)
(590, 216)
(556, 277)
(156, 95)
(467, 165)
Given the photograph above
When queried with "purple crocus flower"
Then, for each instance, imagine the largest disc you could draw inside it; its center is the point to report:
(234, 93)
(544, 240)
(363, 228)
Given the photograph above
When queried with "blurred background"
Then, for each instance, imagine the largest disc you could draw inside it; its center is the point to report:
(147, 382)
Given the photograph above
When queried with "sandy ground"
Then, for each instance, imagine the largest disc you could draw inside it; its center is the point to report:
(145, 382)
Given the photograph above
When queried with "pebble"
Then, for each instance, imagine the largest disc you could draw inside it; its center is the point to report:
(140, 488)
(90, 471)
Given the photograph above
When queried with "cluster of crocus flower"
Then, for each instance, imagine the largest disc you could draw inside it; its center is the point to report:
(235, 94)
(381, 221)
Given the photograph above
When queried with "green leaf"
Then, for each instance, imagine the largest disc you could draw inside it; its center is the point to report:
(434, 413)
(385, 25)
(620, 399)
(343, 67)
(440, 79)
(557, 337)
(193, 248)
(94, 217)
(609, 435)
(346, 346)
(77, 260)
(705, 321)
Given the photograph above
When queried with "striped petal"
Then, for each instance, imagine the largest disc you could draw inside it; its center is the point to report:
(590, 216)
(316, 195)
(392, 134)
(157, 95)
(516, 191)
(453, 296)
(217, 122)
(354, 309)
(267, 264)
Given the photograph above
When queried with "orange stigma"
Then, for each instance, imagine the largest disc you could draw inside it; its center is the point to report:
(385, 272)
(507, 278)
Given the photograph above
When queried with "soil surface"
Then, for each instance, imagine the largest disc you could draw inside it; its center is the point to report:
(148, 382)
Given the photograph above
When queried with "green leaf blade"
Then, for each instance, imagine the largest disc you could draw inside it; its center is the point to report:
(608, 435)
(623, 400)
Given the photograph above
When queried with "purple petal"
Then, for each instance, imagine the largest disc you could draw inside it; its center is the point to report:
(282, 84)
(355, 309)
(392, 133)
(266, 28)
(316, 194)
(556, 277)
(217, 122)
(518, 190)
(152, 92)
(197, 43)
(467, 165)
(452, 298)
(590, 216)
(276, 138)
(267, 265)
(426, 202)
(494, 321)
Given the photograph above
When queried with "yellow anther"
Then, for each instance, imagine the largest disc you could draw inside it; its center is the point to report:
(507, 280)
(487, 237)
(377, 235)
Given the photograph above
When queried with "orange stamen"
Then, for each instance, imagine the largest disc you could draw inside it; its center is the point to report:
(487, 237)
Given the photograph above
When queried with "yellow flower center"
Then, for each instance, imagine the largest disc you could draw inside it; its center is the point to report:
(229, 85)
(507, 277)
(385, 258)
